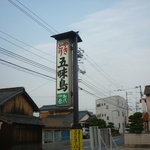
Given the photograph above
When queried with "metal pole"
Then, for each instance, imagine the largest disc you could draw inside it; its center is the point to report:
(141, 94)
(127, 105)
(75, 85)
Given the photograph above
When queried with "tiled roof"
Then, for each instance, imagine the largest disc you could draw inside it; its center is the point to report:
(7, 94)
(53, 107)
(62, 121)
(21, 119)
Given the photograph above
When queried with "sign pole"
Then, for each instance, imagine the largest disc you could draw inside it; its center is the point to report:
(75, 86)
(67, 81)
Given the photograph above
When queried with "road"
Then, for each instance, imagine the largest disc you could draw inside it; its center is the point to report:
(117, 142)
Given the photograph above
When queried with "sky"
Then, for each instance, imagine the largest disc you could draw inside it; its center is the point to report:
(116, 46)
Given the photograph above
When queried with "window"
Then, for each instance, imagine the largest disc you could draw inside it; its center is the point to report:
(119, 125)
(107, 117)
(99, 115)
(107, 107)
(48, 136)
(118, 113)
(98, 105)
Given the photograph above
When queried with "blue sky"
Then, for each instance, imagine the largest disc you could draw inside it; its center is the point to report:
(115, 35)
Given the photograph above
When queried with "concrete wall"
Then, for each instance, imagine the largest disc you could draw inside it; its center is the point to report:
(148, 107)
(137, 140)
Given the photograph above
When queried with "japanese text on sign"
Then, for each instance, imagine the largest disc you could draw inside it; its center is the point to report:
(63, 87)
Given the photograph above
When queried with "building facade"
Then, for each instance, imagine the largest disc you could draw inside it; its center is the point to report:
(147, 93)
(18, 127)
(58, 121)
(113, 109)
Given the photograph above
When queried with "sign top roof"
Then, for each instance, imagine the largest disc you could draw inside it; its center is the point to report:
(70, 34)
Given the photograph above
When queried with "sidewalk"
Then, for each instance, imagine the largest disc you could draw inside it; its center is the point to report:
(126, 148)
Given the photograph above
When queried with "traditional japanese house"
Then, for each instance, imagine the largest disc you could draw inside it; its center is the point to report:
(18, 127)
(58, 122)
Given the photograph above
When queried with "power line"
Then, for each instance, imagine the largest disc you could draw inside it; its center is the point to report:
(100, 70)
(99, 85)
(92, 87)
(10, 64)
(90, 93)
(25, 60)
(32, 17)
(42, 20)
(26, 44)
(43, 84)
(27, 50)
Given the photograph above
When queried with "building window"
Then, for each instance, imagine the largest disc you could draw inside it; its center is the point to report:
(107, 107)
(119, 125)
(48, 136)
(118, 113)
(99, 115)
(98, 105)
(107, 117)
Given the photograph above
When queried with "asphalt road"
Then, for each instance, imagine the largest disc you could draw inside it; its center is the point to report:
(117, 142)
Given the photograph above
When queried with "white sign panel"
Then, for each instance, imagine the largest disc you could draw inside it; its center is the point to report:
(63, 73)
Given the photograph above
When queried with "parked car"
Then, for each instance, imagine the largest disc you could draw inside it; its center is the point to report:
(86, 133)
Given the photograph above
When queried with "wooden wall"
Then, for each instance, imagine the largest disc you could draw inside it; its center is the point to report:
(18, 105)
(44, 114)
(15, 135)
(26, 134)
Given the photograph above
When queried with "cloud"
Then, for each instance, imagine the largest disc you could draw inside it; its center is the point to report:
(118, 39)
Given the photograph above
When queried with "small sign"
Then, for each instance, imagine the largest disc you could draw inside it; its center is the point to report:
(63, 69)
(76, 139)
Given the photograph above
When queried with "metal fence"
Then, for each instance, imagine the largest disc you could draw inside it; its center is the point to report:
(101, 139)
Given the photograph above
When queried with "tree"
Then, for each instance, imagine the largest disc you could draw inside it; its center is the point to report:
(110, 125)
(98, 122)
(136, 123)
(113, 130)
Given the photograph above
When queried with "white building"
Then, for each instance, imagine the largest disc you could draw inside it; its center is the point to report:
(113, 109)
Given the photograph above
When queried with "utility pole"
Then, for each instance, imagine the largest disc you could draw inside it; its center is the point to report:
(141, 93)
(127, 105)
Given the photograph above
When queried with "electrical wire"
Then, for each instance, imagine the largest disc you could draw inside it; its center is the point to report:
(10, 64)
(32, 17)
(27, 50)
(42, 20)
(92, 87)
(26, 44)
(108, 101)
(96, 83)
(100, 70)
(25, 60)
